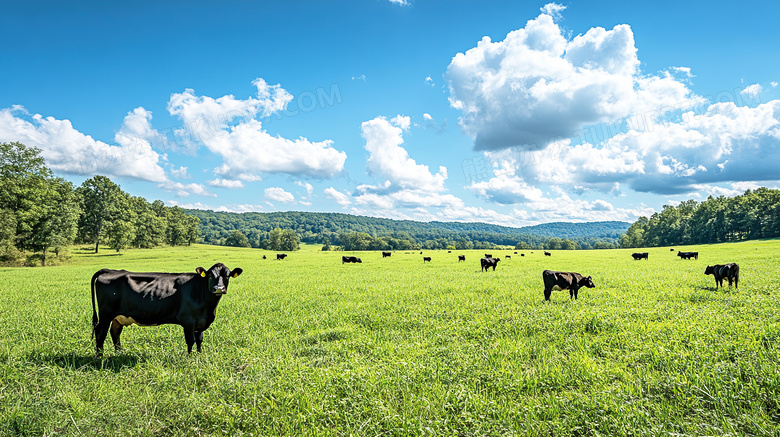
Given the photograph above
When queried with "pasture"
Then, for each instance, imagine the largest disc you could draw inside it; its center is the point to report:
(395, 346)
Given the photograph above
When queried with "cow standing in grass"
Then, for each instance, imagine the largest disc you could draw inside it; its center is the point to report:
(728, 271)
(640, 255)
(489, 262)
(151, 299)
(564, 281)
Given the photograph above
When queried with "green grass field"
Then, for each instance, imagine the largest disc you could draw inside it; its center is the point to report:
(308, 346)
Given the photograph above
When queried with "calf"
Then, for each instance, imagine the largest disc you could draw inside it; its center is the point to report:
(487, 255)
(461, 258)
(564, 281)
(688, 255)
(350, 259)
(728, 271)
(639, 255)
(151, 299)
(489, 262)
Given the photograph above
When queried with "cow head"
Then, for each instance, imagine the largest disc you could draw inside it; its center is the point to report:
(709, 270)
(587, 282)
(360, 260)
(218, 277)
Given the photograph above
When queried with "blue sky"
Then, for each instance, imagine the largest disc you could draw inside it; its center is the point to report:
(505, 112)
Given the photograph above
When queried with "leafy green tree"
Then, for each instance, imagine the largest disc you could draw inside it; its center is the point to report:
(120, 234)
(102, 203)
(56, 223)
(237, 239)
(177, 231)
(284, 239)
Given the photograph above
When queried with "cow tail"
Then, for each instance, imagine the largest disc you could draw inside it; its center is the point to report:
(94, 310)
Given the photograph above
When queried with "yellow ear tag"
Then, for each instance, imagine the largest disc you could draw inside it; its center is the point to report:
(234, 275)
(203, 274)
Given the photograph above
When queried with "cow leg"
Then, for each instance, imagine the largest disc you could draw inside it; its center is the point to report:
(116, 331)
(189, 337)
(101, 331)
(198, 338)
(547, 293)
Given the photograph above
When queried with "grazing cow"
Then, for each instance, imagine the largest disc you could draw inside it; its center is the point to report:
(281, 256)
(489, 262)
(350, 259)
(564, 281)
(420, 253)
(426, 259)
(508, 257)
(688, 255)
(728, 271)
(547, 253)
(263, 256)
(487, 255)
(640, 255)
(386, 254)
(461, 258)
(151, 299)
(515, 253)
(449, 251)
(671, 250)
(522, 254)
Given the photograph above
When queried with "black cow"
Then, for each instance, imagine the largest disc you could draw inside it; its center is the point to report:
(728, 271)
(688, 255)
(281, 255)
(449, 251)
(386, 254)
(461, 258)
(263, 256)
(671, 250)
(640, 255)
(350, 259)
(564, 281)
(426, 259)
(522, 254)
(487, 255)
(515, 253)
(488, 262)
(150, 299)
(508, 257)
(547, 253)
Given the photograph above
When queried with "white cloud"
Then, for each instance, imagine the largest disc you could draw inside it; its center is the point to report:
(227, 127)
(401, 2)
(429, 81)
(361, 77)
(279, 195)
(67, 150)
(226, 183)
(774, 84)
(309, 188)
(536, 85)
(181, 173)
(337, 196)
(391, 162)
(427, 117)
(752, 91)
(184, 190)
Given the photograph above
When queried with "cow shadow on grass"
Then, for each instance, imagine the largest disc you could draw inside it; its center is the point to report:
(81, 362)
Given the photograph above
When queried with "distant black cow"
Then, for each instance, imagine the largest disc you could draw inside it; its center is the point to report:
(350, 259)
(487, 255)
(420, 253)
(489, 262)
(639, 255)
(151, 299)
(522, 254)
(426, 259)
(515, 253)
(263, 256)
(281, 255)
(449, 251)
(671, 250)
(461, 258)
(688, 255)
(386, 254)
(728, 271)
(564, 281)
(547, 253)
(508, 257)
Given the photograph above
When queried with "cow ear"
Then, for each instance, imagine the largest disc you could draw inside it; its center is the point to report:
(237, 271)
(201, 271)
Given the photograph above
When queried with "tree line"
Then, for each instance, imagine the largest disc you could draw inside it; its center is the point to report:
(752, 215)
(350, 232)
(41, 214)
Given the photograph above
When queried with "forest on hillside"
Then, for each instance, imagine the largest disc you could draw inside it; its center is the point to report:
(344, 230)
(752, 215)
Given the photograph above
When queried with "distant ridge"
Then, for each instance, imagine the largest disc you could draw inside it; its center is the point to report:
(315, 227)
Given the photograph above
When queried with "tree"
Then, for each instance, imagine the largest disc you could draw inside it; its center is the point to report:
(56, 222)
(120, 234)
(101, 203)
(237, 239)
(283, 239)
